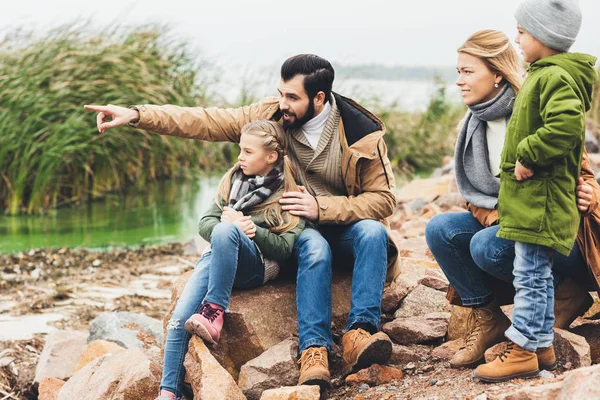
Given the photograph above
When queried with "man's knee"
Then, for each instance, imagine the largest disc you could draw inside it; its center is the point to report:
(370, 230)
(312, 248)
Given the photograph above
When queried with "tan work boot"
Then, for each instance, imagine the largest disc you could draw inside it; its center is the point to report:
(570, 301)
(314, 367)
(515, 362)
(361, 349)
(546, 358)
(485, 327)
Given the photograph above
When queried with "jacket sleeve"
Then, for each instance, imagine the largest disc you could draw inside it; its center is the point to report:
(588, 176)
(563, 118)
(278, 246)
(209, 220)
(210, 124)
(376, 201)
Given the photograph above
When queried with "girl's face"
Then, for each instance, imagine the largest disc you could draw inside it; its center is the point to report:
(253, 158)
(531, 48)
(475, 80)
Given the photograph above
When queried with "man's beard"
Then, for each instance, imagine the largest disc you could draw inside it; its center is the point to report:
(299, 122)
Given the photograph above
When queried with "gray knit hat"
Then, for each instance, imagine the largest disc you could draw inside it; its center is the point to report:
(555, 23)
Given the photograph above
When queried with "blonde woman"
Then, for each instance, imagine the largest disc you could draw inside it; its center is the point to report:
(478, 264)
(248, 234)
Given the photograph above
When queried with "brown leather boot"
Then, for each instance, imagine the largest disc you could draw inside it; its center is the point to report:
(546, 358)
(570, 301)
(515, 362)
(485, 327)
(361, 349)
(314, 367)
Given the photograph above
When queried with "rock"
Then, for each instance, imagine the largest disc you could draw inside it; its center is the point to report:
(447, 350)
(96, 349)
(393, 294)
(292, 393)
(128, 330)
(591, 332)
(419, 329)
(209, 380)
(415, 247)
(422, 300)
(451, 200)
(494, 351)
(126, 375)
(375, 375)
(594, 311)
(591, 142)
(457, 328)
(49, 388)
(405, 354)
(571, 349)
(435, 279)
(262, 317)
(195, 247)
(427, 189)
(60, 355)
(414, 228)
(274, 368)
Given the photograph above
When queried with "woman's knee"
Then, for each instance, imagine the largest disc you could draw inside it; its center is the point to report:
(439, 229)
(225, 230)
(492, 254)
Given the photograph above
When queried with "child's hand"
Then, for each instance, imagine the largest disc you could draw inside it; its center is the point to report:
(522, 173)
(230, 215)
(584, 195)
(246, 225)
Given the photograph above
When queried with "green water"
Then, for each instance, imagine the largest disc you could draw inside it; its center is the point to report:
(164, 212)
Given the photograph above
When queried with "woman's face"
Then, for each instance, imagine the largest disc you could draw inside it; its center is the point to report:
(475, 80)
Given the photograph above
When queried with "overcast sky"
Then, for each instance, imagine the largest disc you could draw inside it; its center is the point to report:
(261, 32)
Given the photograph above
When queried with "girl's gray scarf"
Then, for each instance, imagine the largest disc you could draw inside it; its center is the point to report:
(246, 192)
(471, 158)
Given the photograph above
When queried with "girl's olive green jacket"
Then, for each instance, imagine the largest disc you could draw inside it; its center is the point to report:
(274, 246)
(546, 133)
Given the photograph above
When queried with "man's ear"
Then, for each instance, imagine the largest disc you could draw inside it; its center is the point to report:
(319, 99)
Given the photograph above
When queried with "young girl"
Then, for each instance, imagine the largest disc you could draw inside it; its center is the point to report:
(248, 234)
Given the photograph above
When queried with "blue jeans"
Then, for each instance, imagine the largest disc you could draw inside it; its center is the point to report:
(234, 261)
(471, 256)
(533, 314)
(363, 246)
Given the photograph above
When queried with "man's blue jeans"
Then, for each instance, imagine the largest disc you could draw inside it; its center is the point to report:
(470, 255)
(362, 246)
(233, 260)
(533, 314)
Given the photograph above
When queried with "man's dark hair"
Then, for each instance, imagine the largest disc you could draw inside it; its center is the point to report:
(318, 73)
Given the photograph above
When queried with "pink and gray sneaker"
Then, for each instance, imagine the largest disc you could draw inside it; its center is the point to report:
(207, 323)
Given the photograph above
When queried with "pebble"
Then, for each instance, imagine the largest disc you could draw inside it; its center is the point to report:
(410, 366)
(482, 396)
(546, 374)
(96, 263)
(433, 382)
(362, 387)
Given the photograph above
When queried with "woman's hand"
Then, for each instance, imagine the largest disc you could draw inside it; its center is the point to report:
(230, 215)
(584, 195)
(246, 225)
(522, 173)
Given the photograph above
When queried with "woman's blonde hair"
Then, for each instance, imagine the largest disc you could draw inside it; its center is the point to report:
(273, 139)
(494, 49)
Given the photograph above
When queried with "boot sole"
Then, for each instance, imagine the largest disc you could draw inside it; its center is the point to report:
(323, 381)
(378, 352)
(197, 329)
(588, 302)
(487, 379)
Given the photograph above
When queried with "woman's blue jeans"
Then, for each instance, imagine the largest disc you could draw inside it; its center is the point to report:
(470, 255)
(234, 261)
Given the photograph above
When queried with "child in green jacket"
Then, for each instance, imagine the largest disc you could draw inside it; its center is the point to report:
(541, 160)
(249, 234)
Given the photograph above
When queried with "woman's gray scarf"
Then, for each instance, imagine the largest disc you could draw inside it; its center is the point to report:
(247, 192)
(471, 158)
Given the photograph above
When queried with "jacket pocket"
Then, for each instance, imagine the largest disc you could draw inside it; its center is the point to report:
(522, 204)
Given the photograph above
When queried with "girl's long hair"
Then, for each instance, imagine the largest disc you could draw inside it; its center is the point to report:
(273, 139)
(494, 49)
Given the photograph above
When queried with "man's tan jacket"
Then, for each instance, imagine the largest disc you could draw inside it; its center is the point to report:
(366, 169)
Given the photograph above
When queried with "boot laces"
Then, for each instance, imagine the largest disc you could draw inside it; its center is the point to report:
(208, 312)
(506, 352)
(311, 356)
(474, 320)
(359, 335)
